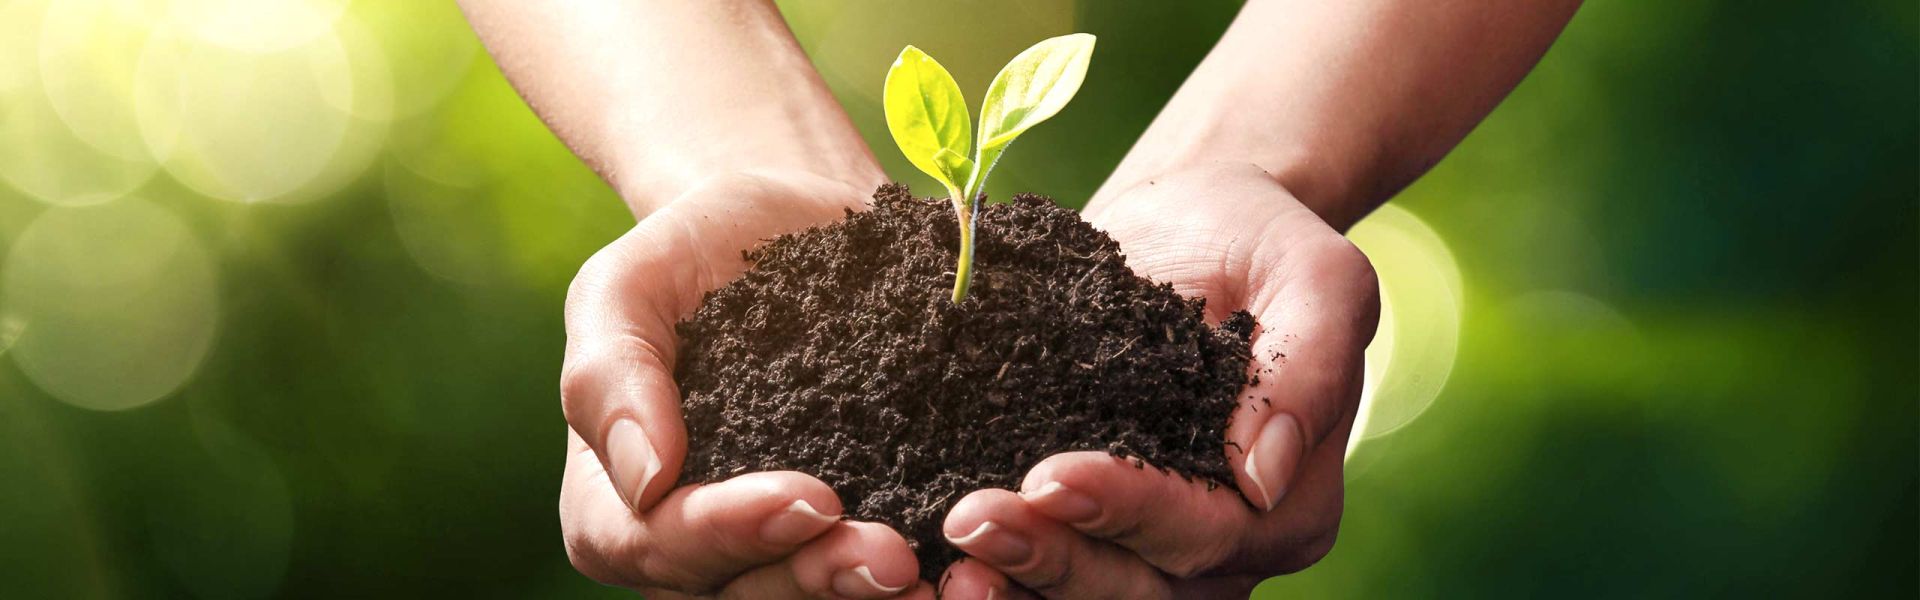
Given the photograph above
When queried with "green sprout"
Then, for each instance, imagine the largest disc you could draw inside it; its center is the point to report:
(929, 120)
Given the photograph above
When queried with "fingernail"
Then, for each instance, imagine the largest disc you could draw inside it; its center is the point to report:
(1064, 503)
(634, 460)
(858, 582)
(1271, 462)
(995, 544)
(796, 523)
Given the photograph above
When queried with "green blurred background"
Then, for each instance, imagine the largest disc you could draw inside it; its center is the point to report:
(280, 299)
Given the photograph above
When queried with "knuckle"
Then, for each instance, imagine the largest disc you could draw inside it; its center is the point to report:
(656, 572)
(588, 565)
(1319, 549)
(1343, 256)
(1218, 537)
(1342, 272)
(591, 372)
(590, 559)
(717, 529)
(580, 381)
(1052, 575)
(576, 378)
(1310, 553)
(1128, 521)
(1297, 554)
(1365, 288)
(595, 275)
(1242, 587)
(1188, 565)
(1355, 269)
(582, 563)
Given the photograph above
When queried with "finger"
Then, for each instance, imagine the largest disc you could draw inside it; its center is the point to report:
(970, 579)
(1301, 530)
(1178, 526)
(1312, 291)
(698, 537)
(1184, 529)
(616, 384)
(1317, 302)
(852, 560)
(776, 582)
(998, 528)
(1216, 587)
(755, 589)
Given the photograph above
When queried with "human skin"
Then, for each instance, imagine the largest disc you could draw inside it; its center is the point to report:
(718, 133)
(1306, 116)
(712, 125)
(1089, 525)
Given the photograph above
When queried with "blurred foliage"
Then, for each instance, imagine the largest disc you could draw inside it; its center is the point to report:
(1686, 359)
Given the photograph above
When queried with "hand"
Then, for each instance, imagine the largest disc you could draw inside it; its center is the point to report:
(759, 535)
(1088, 525)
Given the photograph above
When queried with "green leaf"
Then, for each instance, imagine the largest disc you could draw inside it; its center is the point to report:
(956, 167)
(1030, 89)
(928, 118)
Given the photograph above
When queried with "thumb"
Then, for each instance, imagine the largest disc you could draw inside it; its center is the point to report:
(1307, 364)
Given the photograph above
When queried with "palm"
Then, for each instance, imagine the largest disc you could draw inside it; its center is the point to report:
(626, 521)
(1236, 238)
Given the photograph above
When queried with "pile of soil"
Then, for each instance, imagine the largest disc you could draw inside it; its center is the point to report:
(839, 355)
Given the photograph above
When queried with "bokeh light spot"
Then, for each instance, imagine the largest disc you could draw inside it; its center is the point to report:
(370, 97)
(441, 145)
(1580, 327)
(368, 108)
(88, 52)
(438, 46)
(439, 222)
(19, 24)
(259, 25)
(41, 156)
(10, 329)
(243, 126)
(1421, 299)
(860, 41)
(119, 299)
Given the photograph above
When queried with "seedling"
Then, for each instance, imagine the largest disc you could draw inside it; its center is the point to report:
(929, 120)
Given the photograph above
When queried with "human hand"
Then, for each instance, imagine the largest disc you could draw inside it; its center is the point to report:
(1088, 525)
(759, 535)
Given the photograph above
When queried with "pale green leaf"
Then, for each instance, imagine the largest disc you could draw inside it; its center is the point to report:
(1030, 89)
(955, 166)
(928, 117)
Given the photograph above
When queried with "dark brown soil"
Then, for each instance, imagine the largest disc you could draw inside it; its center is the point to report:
(838, 354)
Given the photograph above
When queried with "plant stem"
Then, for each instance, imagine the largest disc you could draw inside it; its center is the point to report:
(963, 274)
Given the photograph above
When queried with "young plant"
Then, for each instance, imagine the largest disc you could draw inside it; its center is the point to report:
(929, 120)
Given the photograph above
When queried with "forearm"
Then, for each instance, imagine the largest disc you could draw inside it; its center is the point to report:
(1345, 103)
(660, 95)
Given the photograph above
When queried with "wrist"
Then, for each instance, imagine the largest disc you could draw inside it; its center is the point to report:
(646, 191)
(771, 184)
(1323, 182)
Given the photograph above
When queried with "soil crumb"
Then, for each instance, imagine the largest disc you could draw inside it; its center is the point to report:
(839, 355)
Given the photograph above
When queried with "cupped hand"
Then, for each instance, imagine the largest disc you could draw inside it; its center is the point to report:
(1088, 525)
(759, 535)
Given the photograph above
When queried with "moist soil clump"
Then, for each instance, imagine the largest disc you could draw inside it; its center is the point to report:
(839, 354)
